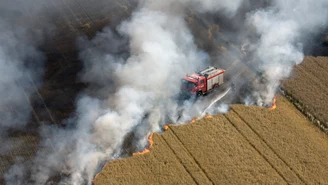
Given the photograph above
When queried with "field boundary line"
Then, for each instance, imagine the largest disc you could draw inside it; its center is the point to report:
(298, 104)
(179, 160)
(196, 161)
(259, 136)
(256, 149)
(323, 126)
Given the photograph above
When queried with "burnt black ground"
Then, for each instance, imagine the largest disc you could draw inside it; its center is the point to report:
(54, 101)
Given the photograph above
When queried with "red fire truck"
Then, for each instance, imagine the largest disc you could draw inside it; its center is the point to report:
(202, 82)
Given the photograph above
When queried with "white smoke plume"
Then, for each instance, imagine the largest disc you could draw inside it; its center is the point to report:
(145, 84)
(130, 91)
(283, 28)
(228, 8)
(21, 68)
(133, 75)
(21, 64)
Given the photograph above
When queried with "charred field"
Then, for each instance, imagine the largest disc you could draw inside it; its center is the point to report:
(55, 100)
(247, 145)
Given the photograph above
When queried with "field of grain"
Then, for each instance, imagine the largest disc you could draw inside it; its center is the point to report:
(248, 145)
(308, 86)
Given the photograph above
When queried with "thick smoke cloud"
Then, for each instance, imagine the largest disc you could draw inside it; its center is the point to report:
(132, 73)
(21, 63)
(21, 68)
(229, 8)
(142, 84)
(282, 29)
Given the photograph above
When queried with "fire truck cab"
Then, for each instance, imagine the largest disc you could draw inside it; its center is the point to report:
(202, 82)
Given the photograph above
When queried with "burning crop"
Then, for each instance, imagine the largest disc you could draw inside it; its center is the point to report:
(193, 120)
(274, 104)
(166, 127)
(208, 116)
(150, 145)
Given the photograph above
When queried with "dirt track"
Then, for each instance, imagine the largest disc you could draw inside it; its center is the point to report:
(245, 146)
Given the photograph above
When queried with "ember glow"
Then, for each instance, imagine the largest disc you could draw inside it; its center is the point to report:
(193, 120)
(166, 127)
(147, 150)
(208, 116)
(274, 105)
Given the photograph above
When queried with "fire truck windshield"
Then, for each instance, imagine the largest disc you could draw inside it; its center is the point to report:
(188, 85)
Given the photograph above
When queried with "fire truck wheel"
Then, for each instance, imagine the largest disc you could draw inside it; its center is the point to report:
(200, 93)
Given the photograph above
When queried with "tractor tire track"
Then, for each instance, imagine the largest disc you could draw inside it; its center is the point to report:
(190, 154)
(267, 145)
(166, 143)
(257, 150)
(179, 159)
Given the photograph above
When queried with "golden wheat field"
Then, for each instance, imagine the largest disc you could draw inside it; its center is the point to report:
(248, 145)
(308, 85)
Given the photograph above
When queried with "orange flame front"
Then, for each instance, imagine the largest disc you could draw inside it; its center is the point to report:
(150, 142)
(208, 116)
(274, 105)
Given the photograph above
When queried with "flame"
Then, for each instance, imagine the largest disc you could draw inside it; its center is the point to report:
(208, 116)
(142, 153)
(150, 142)
(150, 137)
(274, 105)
